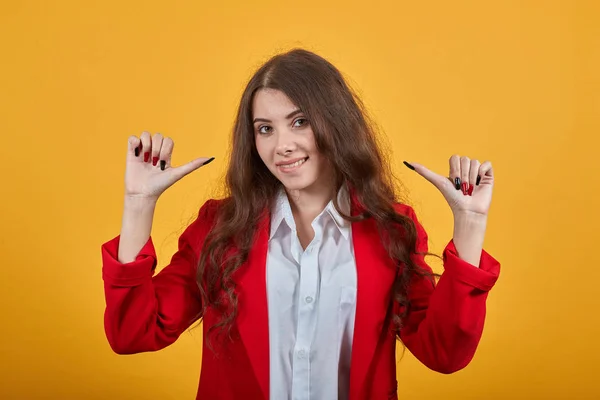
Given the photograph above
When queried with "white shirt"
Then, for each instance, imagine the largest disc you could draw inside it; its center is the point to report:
(311, 304)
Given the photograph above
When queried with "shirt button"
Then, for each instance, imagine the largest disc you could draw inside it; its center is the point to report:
(308, 299)
(301, 353)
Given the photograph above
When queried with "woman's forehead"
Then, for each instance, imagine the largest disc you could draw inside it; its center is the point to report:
(272, 103)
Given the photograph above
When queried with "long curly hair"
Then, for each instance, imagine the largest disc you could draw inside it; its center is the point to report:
(347, 137)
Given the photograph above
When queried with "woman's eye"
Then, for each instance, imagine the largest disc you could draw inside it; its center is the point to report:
(300, 122)
(264, 129)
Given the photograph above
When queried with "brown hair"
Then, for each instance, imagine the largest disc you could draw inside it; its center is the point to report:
(345, 135)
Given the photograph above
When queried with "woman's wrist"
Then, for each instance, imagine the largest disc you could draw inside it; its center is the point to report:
(469, 233)
(139, 203)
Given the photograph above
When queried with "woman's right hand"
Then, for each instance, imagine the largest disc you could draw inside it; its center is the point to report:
(148, 171)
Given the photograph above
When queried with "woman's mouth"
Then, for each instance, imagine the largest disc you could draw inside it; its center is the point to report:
(292, 167)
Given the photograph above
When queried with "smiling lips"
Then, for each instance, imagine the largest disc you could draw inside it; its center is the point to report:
(292, 166)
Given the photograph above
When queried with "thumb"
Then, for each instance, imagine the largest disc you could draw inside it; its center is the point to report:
(436, 179)
(191, 166)
(133, 144)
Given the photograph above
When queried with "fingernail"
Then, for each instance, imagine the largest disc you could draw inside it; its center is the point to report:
(137, 151)
(163, 164)
(457, 183)
(154, 160)
(146, 156)
(207, 161)
(409, 166)
(471, 190)
(478, 180)
(465, 188)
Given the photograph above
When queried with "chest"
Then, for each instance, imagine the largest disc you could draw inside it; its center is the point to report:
(317, 269)
(306, 234)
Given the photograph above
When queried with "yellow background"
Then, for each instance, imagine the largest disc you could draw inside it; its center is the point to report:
(515, 82)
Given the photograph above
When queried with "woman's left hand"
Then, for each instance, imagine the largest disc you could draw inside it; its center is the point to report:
(468, 186)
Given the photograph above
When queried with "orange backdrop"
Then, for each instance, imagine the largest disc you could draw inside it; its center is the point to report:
(515, 82)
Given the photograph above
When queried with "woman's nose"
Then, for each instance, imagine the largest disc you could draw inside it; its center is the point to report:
(285, 139)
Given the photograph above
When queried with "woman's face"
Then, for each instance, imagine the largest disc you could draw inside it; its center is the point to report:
(283, 134)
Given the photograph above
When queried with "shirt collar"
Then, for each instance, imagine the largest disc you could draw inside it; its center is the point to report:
(282, 211)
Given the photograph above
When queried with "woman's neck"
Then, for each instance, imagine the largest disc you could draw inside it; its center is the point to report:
(306, 205)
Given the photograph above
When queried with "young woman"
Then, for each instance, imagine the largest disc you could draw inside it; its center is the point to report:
(309, 270)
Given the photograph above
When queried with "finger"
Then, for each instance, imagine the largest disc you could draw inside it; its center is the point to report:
(165, 153)
(465, 166)
(133, 145)
(193, 165)
(146, 145)
(157, 140)
(473, 172)
(437, 180)
(454, 174)
(486, 171)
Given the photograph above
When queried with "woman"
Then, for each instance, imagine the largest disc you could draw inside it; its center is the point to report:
(310, 269)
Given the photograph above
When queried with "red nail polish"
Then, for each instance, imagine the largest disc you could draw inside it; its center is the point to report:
(146, 156)
(471, 190)
(154, 160)
(465, 187)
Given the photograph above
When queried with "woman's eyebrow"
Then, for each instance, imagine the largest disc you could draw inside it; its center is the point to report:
(290, 115)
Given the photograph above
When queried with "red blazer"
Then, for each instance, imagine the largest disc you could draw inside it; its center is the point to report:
(146, 312)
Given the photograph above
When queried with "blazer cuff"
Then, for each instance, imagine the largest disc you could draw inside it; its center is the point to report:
(482, 278)
(129, 274)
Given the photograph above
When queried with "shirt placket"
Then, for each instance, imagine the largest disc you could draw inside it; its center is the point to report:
(307, 314)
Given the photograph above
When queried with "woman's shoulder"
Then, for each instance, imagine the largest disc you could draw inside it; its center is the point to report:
(205, 217)
(404, 209)
(209, 209)
(213, 204)
(201, 223)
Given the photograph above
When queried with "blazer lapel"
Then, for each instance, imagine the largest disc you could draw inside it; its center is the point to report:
(375, 274)
(252, 318)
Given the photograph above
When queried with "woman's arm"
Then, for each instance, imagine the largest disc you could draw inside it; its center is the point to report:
(145, 312)
(446, 321)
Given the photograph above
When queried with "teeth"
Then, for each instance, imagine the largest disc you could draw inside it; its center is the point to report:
(294, 164)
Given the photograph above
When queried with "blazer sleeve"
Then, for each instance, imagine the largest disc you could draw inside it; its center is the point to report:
(147, 312)
(446, 320)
